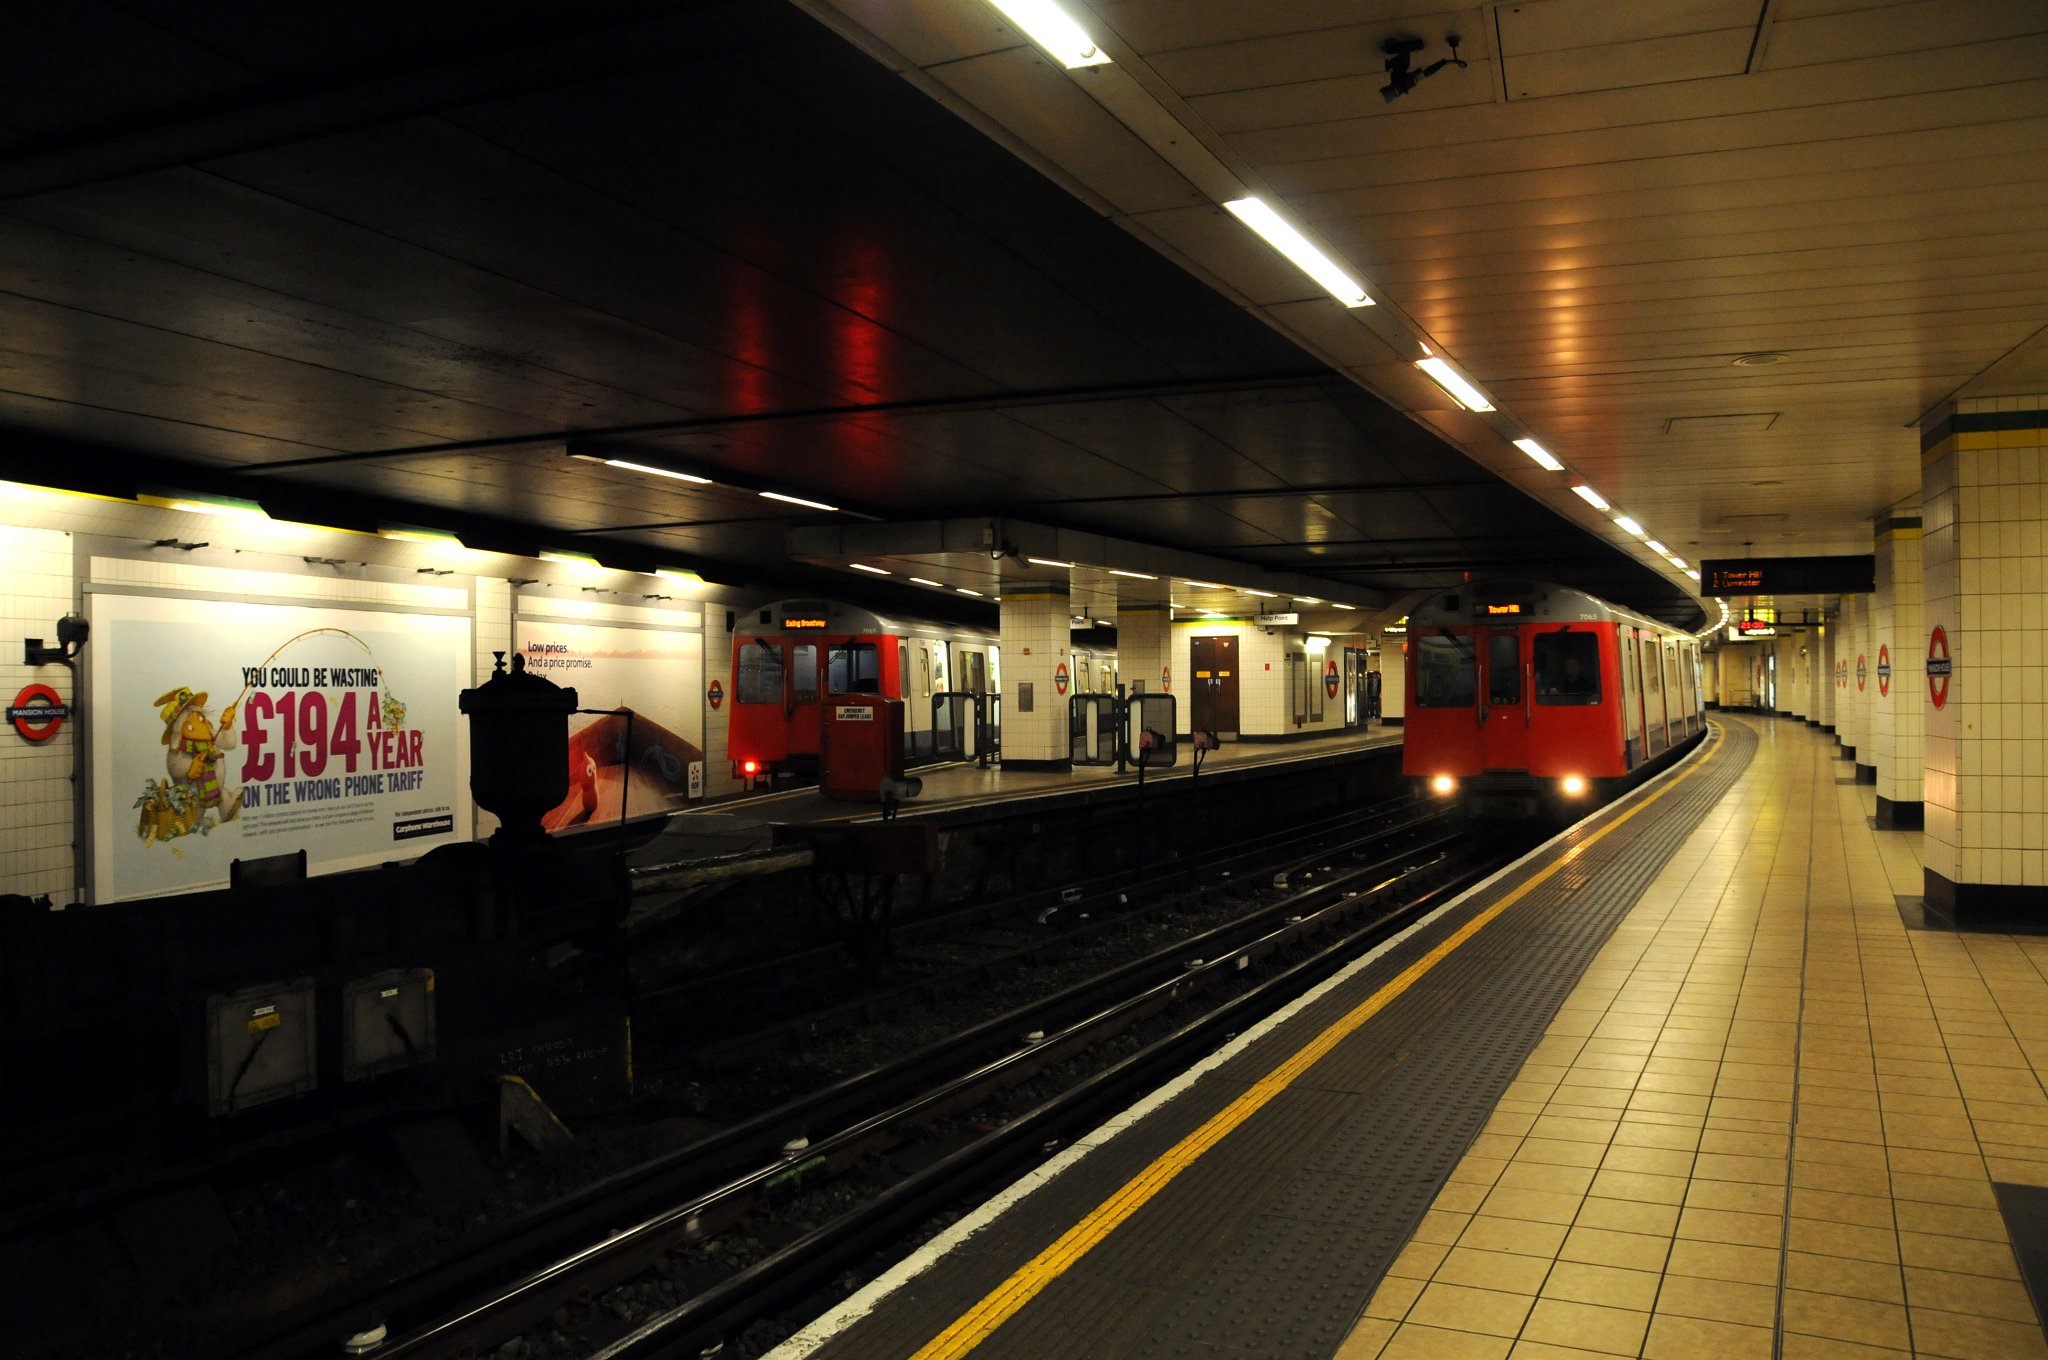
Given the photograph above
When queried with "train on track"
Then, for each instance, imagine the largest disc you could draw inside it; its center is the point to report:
(791, 654)
(1527, 698)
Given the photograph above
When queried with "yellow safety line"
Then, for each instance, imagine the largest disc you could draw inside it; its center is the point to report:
(979, 1322)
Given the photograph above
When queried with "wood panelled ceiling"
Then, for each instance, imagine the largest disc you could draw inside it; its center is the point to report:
(396, 261)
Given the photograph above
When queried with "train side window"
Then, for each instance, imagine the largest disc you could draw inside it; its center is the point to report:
(924, 669)
(854, 668)
(1567, 668)
(803, 673)
(760, 678)
(1504, 668)
(1445, 676)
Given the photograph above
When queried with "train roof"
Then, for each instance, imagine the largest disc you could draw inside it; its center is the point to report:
(1525, 602)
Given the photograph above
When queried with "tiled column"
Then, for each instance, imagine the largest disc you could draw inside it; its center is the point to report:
(1986, 852)
(1036, 627)
(1863, 682)
(1393, 680)
(1898, 675)
(1824, 677)
(1848, 712)
(1144, 638)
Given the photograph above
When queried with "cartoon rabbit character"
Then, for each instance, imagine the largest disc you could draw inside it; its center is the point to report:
(195, 746)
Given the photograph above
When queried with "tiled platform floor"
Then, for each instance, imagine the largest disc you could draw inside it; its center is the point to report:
(1766, 1123)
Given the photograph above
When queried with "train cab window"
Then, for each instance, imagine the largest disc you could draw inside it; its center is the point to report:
(1445, 676)
(1567, 668)
(760, 678)
(1504, 668)
(803, 673)
(854, 668)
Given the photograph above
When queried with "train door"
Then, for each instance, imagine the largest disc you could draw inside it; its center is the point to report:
(1689, 685)
(1503, 710)
(1354, 686)
(1631, 697)
(1655, 735)
(805, 713)
(1213, 705)
(906, 690)
(1674, 693)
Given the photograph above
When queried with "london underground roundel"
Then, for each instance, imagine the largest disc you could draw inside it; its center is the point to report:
(1938, 665)
(1884, 671)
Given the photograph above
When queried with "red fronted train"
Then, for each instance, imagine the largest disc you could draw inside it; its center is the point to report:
(1527, 698)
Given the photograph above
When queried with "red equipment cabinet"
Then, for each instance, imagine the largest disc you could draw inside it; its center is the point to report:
(863, 745)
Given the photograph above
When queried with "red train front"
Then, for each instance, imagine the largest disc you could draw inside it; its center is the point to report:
(1525, 696)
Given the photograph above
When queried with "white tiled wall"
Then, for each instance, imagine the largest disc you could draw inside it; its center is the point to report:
(37, 587)
(1987, 747)
(1266, 700)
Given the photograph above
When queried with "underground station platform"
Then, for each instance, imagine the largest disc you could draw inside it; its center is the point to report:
(1686, 1080)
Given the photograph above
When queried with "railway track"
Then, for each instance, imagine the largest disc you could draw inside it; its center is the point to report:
(1104, 1040)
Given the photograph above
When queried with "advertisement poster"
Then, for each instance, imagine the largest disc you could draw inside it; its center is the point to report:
(646, 760)
(224, 730)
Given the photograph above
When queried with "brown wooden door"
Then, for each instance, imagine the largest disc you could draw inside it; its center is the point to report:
(1213, 706)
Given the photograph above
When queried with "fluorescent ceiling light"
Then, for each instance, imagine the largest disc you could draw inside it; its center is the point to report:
(1590, 497)
(965, 591)
(1134, 575)
(1308, 599)
(1206, 585)
(1625, 522)
(862, 566)
(1048, 562)
(647, 468)
(1658, 548)
(798, 500)
(1053, 29)
(1678, 562)
(1695, 575)
(678, 574)
(1254, 213)
(1263, 594)
(1542, 455)
(194, 505)
(573, 559)
(1455, 385)
(919, 580)
(1335, 605)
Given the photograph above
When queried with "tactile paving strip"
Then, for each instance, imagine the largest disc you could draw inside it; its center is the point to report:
(1306, 1268)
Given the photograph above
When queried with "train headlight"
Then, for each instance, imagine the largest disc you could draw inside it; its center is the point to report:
(1443, 783)
(750, 768)
(1572, 785)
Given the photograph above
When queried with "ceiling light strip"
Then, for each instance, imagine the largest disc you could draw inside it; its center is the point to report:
(1055, 30)
(1456, 385)
(1305, 256)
